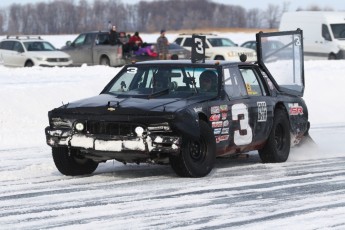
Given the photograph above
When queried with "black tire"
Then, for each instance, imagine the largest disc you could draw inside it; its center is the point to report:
(196, 158)
(174, 57)
(29, 64)
(72, 164)
(332, 57)
(219, 57)
(277, 148)
(104, 61)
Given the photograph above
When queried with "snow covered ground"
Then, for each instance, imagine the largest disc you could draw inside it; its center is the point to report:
(306, 192)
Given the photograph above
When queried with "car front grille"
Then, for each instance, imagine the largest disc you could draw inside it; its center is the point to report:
(111, 128)
(248, 54)
(57, 59)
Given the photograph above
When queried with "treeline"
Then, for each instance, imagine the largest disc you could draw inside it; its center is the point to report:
(69, 17)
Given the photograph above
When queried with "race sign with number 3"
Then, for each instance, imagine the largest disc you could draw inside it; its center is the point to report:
(198, 48)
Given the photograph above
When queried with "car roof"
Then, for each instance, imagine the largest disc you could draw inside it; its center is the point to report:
(188, 62)
(23, 37)
(208, 35)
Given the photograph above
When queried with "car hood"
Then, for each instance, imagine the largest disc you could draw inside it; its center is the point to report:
(233, 49)
(126, 105)
(179, 112)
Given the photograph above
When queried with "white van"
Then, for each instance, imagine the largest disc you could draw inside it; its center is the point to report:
(323, 32)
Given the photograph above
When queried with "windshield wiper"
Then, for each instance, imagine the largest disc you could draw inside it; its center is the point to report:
(159, 93)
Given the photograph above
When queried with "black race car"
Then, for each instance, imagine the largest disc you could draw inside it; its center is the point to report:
(186, 113)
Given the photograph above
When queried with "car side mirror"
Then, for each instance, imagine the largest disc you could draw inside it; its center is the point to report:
(68, 43)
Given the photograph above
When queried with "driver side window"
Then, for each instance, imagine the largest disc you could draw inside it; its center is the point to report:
(80, 40)
(325, 33)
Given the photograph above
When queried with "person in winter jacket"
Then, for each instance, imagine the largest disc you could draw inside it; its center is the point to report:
(162, 46)
(113, 36)
(135, 41)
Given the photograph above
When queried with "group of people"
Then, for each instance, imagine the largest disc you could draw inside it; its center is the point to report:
(136, 45)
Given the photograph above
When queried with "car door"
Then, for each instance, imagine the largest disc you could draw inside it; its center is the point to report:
(261, 104)
(6, 51)
(247, 109)
(17, 55)
(81, 50)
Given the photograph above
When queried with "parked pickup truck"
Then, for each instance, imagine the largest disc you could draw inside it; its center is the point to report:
(93, 48)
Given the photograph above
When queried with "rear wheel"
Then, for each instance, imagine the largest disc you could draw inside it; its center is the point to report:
(71, 163)
(105, 61)
(277, 148)
(196, 158)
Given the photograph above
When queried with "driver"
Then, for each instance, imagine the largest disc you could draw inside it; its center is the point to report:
(208, 81)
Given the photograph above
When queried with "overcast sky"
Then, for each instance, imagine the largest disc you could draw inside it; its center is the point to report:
(294, 4)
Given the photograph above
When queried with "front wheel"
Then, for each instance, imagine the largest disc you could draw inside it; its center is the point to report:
(277, 148)
(219, 57)
(196, 158)
(71, 163)
(332, 57)
(29, 64)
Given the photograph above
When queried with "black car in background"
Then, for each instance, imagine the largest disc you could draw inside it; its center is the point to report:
(186, 113)
(275, 49)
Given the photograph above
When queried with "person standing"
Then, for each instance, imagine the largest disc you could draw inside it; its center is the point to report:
(162, 46)
(109, 25)
(113, 36)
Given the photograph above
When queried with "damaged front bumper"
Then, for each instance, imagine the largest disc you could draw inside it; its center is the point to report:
(123, 148)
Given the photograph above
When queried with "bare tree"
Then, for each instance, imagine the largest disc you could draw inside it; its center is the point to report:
(254, 18)
(2, 21)
(271, 16)
(14, 26)
(66, 16)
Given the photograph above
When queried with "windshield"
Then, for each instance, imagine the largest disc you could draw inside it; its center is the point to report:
(164, 81)
(39, 46)
(338, 31)
(219, 42)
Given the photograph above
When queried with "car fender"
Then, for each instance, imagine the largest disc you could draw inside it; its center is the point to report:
(187, 123)
(298, 116)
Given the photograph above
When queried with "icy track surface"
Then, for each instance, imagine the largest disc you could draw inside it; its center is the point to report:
(306, 192)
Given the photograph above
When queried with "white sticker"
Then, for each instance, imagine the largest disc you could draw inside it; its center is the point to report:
(262, 111)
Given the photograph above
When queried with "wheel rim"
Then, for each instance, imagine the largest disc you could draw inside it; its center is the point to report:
(197, 150)
(279, 137)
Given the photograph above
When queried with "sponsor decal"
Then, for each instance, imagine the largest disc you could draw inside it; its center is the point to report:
(215, 109)
(215, 117)
(217, 131)
(262, 111)
(295, 109)
(223, 108)
(224, 116)
(198, 109)
(217, 124)
(222, 138)
(225, 131)
(226, 123)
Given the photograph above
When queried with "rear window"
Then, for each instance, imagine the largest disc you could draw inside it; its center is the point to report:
(6, 45)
